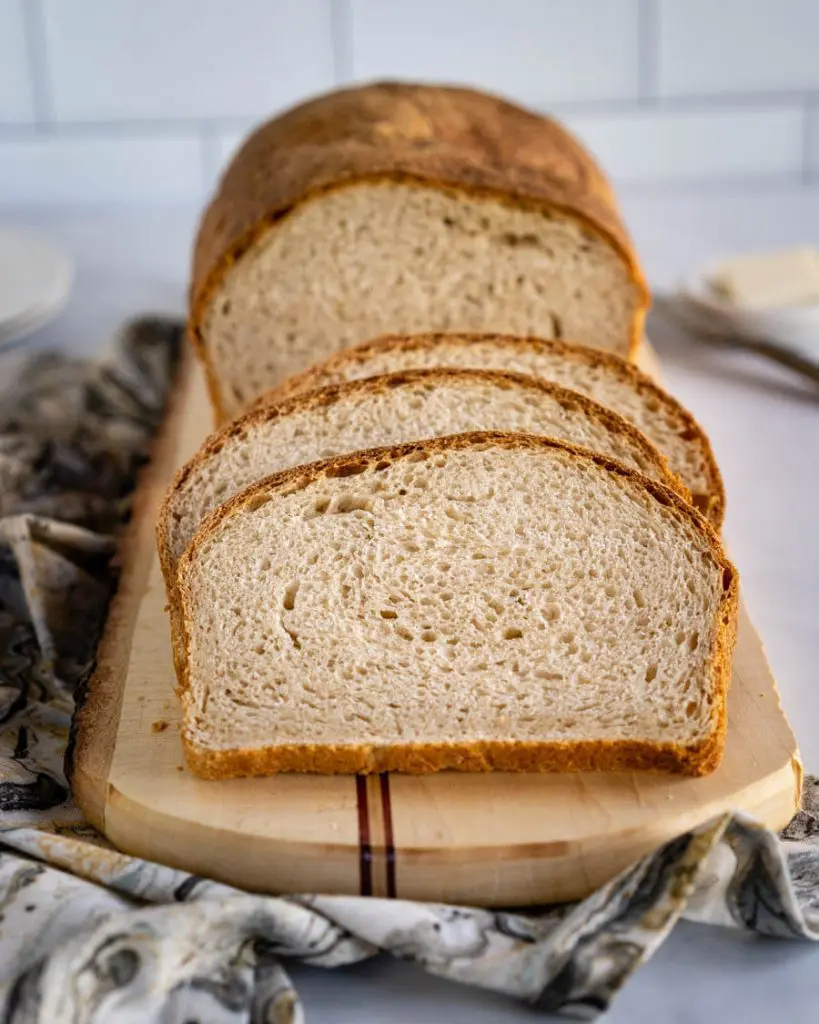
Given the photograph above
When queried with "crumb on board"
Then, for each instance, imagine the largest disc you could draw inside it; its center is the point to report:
(160, 726)
(180, 767)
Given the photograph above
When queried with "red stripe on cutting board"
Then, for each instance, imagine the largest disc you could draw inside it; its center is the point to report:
(389, 846)
(365, 852)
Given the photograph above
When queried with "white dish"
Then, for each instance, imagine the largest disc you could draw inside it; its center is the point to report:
(35, 281)
(791, 326)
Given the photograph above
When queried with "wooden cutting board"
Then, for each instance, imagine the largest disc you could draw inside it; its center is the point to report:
(495, 839)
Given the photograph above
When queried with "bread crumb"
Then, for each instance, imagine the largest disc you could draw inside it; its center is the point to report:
(160, 726)
(180, 767)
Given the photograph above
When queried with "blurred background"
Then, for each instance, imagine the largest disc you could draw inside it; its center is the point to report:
(116, 117)
(141, 100)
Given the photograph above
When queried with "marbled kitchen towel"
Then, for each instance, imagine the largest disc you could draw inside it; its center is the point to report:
(89, 934)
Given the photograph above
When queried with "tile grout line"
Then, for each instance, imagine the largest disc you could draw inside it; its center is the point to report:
(39, 72)
(667, 106)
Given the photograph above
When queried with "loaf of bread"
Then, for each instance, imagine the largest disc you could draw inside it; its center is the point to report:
(602, 376)
(407, 406)
(479, 601)
(405, 208)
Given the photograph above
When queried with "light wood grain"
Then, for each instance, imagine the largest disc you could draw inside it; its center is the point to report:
(492, 839)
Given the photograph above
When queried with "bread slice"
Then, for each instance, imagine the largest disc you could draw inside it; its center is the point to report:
(407, 406)
(404, 208)
(602, 376)
(478, 601)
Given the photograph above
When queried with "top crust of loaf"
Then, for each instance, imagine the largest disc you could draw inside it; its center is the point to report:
(324, 373)
(593, 755)
(459, 140)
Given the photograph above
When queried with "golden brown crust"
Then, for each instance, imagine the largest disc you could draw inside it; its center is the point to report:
(458, 140)
(712, 504)
(475, 756)
(486, 755)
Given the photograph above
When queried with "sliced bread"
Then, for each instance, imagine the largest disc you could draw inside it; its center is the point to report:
(479, 601)
(399, 207)
(406, 406)
(602, 376)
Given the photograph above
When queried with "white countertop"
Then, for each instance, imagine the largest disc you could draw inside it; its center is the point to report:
(764, 424)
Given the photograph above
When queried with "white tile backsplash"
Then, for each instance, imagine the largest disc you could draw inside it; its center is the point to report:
(134, 100)
(647, 146)
(185, 58)
(537, 52)
(16, 92)
(735, 46)
(103, 169)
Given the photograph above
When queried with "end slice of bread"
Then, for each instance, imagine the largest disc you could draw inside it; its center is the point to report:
(603, 376)
(480, 601)
(404, 207)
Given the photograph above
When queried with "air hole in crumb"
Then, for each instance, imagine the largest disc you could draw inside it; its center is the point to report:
(557, 325)
(651, 673)
(321, 505)
(639, 600)
(404, 633)
(347, 469)
(679, 639)
(512, 633)
(352, 503)
(727, 579)
(690, 709)
(513, 240)
(694, 642)
(388, 613)
(429, 635)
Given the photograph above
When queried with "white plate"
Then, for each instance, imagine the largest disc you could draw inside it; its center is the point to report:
(35, 280)
(791, 326)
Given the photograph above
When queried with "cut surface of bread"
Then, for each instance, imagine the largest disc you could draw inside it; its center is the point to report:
(479, 601)
(602, 376)
(406, 406)
(404, 208)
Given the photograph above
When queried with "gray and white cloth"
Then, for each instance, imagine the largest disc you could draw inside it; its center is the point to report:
(88, 934)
